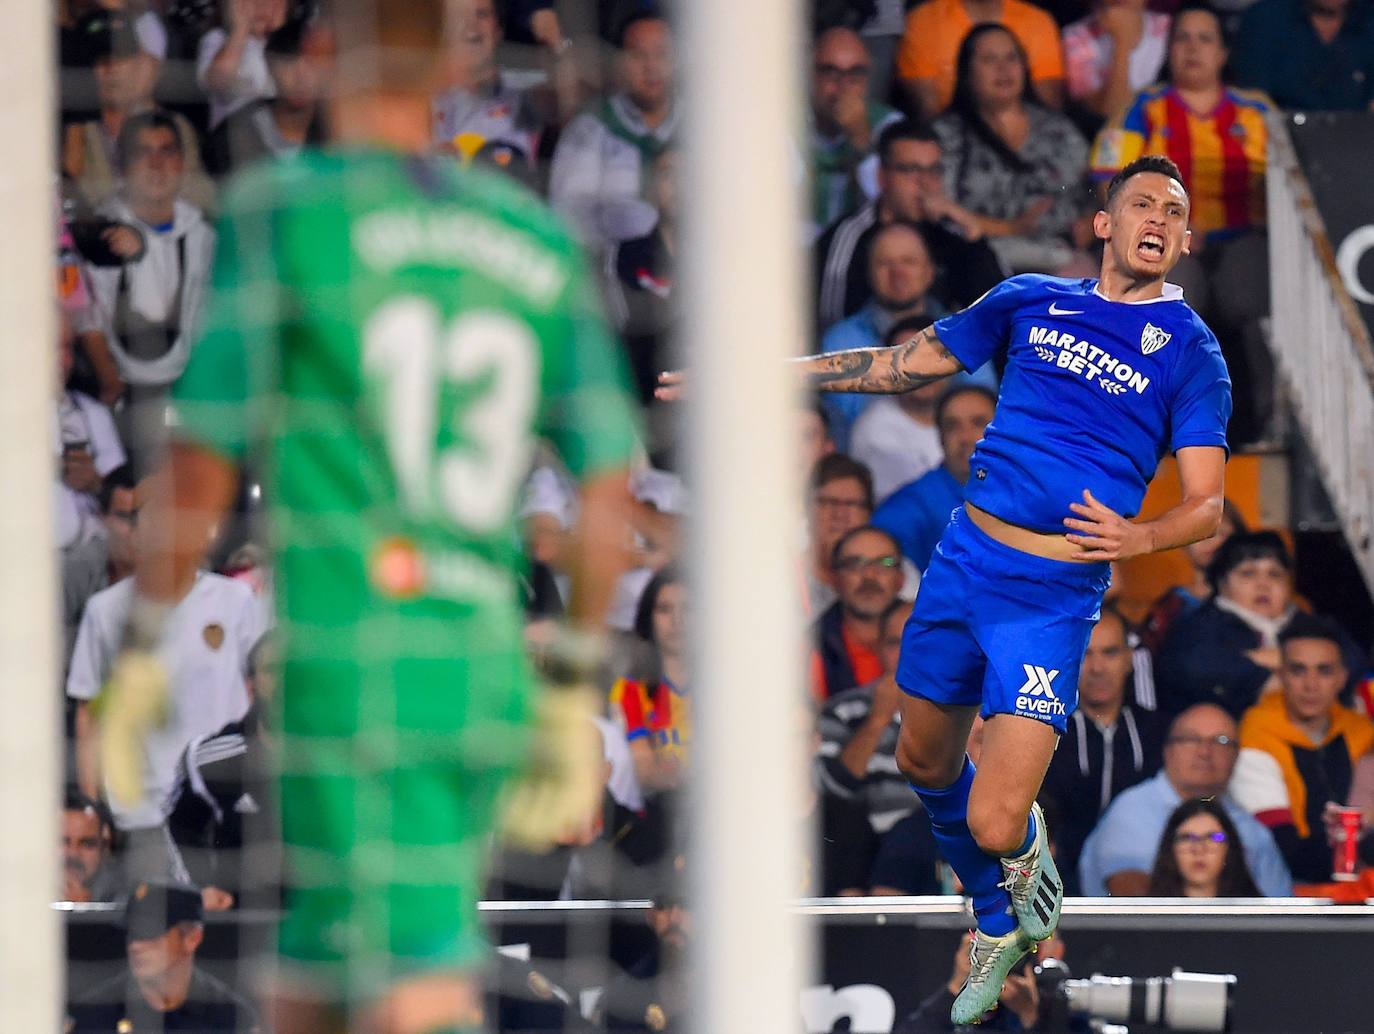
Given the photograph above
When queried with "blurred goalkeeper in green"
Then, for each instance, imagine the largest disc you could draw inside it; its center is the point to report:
(387, 336)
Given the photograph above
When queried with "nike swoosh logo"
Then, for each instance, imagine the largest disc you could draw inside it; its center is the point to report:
(1055, 310)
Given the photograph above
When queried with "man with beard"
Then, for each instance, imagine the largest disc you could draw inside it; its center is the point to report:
(88, 871)
(901, 272)
(651, 995)
(604, 155)
(868, 576)
(916, 514)
(1111, 745)
(910, 188)
(162, 989)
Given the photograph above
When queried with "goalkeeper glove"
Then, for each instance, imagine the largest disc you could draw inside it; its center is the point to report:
(133, 701)
(560, 789)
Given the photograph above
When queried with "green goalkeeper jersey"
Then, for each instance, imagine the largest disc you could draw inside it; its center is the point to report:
(390, 336)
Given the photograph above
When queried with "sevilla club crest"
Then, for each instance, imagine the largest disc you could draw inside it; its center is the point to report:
(1152, 339)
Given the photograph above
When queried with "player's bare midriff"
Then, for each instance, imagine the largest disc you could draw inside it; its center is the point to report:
(1051, 545)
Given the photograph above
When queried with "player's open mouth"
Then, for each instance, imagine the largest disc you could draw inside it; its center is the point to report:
(1151, 246)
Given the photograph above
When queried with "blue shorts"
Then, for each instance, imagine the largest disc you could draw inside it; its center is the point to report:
(1000, 628)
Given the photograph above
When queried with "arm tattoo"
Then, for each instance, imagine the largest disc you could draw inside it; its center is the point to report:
(843, 366)
(882, 371)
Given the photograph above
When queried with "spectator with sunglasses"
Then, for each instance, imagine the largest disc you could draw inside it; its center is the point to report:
(1200, 855)
(1199, 757)
(867, 564)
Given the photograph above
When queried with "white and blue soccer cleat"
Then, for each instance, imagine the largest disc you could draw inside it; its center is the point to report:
(1033, 881)
(990, 960)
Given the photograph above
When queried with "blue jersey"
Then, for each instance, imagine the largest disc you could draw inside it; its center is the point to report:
(1095, 393)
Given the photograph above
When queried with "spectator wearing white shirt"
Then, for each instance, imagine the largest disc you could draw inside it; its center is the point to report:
(147, 307)
(231, 63)
(206, 646)
(127, 54)
(895, 436)
(604, 155)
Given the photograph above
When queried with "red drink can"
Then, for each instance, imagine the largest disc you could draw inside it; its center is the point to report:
(1347, 839)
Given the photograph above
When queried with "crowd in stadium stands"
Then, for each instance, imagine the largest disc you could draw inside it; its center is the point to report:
(949, 143)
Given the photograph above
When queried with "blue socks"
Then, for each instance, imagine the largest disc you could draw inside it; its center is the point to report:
(980, 873)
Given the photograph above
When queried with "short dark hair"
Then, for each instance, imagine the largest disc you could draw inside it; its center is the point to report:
(121, 477)
(647, 13)
(1194, 7)
(1159, 163)
(907, 327)
(286, 42)
(74, 800)
(1110, 610)
(838, 466)
(1250, 545)
(128, 136)
(1312, 626)
(863, 529)
(907, 129)
(897, 224)
(955, 392)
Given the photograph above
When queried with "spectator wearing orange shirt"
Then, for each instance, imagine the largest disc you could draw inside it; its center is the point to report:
(656, 711)
(868, 576)
(1299, 747)
(929, 51)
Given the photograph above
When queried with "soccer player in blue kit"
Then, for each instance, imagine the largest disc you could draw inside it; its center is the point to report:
(1103, 377)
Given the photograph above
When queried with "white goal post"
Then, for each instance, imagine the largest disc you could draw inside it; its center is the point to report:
(743, 313)
(30, 733)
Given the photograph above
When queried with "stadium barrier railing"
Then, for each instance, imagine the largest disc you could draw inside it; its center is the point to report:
(1297, 961)
(1321, 347)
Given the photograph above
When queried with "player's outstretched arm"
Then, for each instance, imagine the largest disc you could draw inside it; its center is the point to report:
(1102, 534)
(874, 371)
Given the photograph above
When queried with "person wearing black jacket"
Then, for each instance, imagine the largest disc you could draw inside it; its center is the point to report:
(220, 807)
(162, 989)
(1226, 652)
(1110, 745)
(909, 189)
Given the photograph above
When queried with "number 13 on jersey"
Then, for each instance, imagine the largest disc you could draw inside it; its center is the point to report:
(411, 354)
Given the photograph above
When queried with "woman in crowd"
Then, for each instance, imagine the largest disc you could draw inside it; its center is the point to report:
(1019, 166)
(1187, 597)
(1226, 652)
(1200, 855)
(655, 711)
